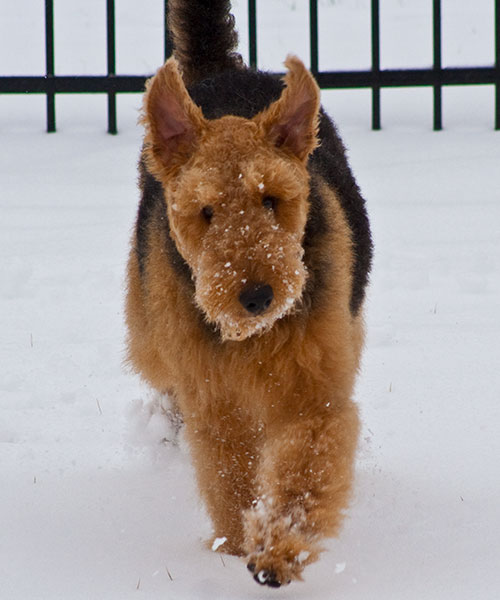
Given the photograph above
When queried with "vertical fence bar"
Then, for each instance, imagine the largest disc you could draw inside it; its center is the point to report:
(497, 64)
(252, 33)
(438, 100)
(375, 17)
(110, 10)
(167, 42)
(313, 35)
(49, 64)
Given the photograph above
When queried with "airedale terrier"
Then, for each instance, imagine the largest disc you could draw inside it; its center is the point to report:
(246, 283)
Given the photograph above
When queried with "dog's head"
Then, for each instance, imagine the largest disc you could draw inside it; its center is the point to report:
(237, 196)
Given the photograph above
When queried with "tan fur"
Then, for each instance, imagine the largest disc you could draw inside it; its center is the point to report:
(266, 400)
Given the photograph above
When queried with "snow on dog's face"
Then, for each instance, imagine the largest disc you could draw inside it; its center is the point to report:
(240, 229)
(237, 197)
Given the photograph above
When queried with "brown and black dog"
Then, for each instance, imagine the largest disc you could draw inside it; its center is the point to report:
(246, 283)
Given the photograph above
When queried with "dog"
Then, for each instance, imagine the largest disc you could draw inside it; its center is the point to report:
(246, 283)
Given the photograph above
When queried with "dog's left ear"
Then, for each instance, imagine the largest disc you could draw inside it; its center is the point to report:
(173, 121)
(291, 122)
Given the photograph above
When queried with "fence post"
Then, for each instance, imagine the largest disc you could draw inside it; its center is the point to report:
(375, 17)
(438, 103)
(252, 33)
(110, 10)
(313, 35)
(49, 65)
(497, 64)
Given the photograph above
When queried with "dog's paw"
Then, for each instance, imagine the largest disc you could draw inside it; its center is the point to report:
(278, 545)
(278, 566)
(280, 556)
(264, 577)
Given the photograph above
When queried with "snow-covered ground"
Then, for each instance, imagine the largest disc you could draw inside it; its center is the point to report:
(92, 504)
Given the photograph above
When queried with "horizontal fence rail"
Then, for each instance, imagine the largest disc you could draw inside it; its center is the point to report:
(375, 78)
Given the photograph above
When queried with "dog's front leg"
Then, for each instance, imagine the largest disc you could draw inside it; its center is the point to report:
(304, 484)
(225, 465)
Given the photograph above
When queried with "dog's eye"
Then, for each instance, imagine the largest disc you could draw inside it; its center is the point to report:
(270, 202)
(207, 213)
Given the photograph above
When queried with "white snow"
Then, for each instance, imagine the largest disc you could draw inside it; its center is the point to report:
(96, 500)
(340, 568)
(262, 576)
(218, 542)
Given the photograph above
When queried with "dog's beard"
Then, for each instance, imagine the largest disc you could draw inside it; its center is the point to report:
(218, 291)
(241, 328)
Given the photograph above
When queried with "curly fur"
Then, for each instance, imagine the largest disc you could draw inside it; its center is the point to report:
(245, 182)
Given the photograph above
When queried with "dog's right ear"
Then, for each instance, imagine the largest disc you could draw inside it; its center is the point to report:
(172, 120)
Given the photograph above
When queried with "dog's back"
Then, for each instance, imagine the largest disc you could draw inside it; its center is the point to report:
(246, 283)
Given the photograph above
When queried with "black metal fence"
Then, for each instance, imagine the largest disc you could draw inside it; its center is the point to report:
(375, 78)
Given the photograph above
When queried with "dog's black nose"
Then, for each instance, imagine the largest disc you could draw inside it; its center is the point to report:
(257, 298)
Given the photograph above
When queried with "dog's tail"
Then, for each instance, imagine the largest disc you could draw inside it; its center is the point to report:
(204, 37)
